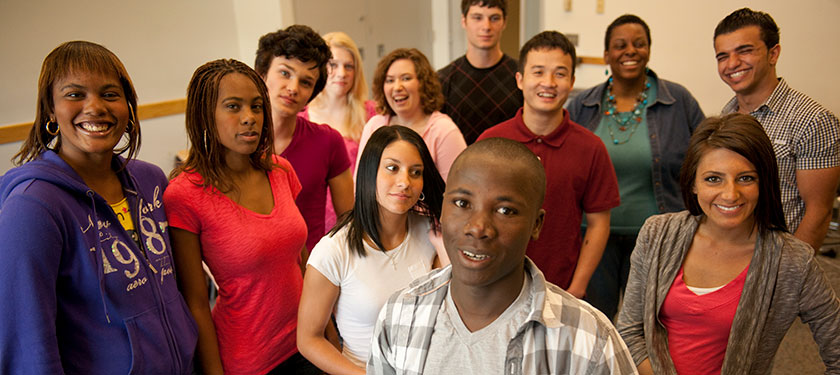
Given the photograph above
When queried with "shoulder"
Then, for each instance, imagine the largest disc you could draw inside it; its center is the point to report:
(448, 69)
(502, 130)
(317, 130)
(658, 223)
(281, 162)
(430, 282)
(331, 247)
(184, 190)
(561, 303)
(586, 138)
(673, 87)
(803, 106)
(439, 121)
(139, 168)
(283, 168)
(564, 314)
(510, 62)
(795, 253)
(376, 122)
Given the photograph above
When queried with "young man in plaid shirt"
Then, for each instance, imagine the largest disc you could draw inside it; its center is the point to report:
(806, 136)
(492, 311)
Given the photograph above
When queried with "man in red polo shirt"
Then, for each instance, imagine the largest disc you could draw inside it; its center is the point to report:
(581, 180)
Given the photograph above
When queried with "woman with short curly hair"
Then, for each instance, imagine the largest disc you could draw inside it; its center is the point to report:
(407, 92)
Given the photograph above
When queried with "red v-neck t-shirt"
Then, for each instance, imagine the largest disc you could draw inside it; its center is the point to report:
(698, 325)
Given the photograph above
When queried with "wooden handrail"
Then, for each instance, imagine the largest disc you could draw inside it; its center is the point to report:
(19, 132)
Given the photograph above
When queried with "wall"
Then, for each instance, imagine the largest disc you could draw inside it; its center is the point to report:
(682, 49)
(160, 42)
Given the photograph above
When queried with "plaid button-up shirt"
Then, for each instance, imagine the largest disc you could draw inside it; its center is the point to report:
(562, 334)
(805, 136)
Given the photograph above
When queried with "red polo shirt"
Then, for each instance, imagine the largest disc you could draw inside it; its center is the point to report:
(579, 177)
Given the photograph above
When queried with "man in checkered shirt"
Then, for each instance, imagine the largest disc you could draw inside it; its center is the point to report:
(491, 311)
(805, 136)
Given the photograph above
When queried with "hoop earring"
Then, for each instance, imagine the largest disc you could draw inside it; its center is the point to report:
(422, 197)
(51, 132)
(132, 122)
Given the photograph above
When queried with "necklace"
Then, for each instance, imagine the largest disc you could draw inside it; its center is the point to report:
(621, 119)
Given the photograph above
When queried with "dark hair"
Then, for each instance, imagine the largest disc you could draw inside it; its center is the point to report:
(501, 4)
(547, 40)
(67, 59)
(363, 219)
(742, 134)
(512, 152)
(431, 95)
(295, 42)
(207, 154)
(747, 17)
(623, 20)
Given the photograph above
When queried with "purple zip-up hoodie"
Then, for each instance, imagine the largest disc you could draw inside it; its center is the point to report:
(77, 295)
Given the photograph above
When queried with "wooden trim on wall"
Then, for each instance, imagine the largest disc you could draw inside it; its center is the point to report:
(19, 132)
(591, 60)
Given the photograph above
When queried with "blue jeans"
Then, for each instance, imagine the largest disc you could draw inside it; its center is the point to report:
(608, 281)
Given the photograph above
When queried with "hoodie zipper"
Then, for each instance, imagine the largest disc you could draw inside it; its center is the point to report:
(174, 353)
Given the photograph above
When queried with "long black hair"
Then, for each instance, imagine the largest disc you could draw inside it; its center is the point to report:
(363, 219)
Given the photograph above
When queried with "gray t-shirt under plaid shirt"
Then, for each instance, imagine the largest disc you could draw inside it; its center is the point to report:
(805, 136)
(455, 350)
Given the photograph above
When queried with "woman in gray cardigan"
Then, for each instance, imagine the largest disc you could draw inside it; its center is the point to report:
(732, 241)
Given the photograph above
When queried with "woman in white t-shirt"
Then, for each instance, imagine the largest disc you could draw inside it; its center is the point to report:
(373, 251)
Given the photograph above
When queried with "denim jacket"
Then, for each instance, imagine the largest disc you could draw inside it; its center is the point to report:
(671, 120)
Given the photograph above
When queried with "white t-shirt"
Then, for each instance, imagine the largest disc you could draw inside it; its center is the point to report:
(367, 282)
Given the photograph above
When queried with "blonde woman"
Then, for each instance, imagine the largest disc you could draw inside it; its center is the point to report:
(344, 103)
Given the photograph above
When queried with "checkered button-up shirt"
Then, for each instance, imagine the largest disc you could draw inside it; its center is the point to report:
(562, 334)
(805, 136)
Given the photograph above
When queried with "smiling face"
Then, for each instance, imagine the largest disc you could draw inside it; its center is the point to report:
(402, 88)
(399, 179)
(629, 51)
(92, 114)
(239, 115)
(744, 62)
(727, 189)
(342, 72)
(489, 216)
(290, 83)
(483, 26)
(546, 80)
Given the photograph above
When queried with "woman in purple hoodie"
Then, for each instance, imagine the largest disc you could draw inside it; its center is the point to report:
(86, 273)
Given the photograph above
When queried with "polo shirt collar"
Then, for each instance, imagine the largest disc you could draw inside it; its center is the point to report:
(524, 135)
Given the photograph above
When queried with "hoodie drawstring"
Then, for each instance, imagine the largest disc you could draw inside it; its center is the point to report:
(100, 266)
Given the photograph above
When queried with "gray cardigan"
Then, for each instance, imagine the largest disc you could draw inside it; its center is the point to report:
(784, 281)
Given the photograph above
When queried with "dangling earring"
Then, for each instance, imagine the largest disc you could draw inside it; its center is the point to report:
(606, 71)
(422, 197)
(51, 132)
(131, 122)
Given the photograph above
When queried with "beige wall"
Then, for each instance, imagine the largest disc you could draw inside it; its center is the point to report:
(160, 42)
(682, 50)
